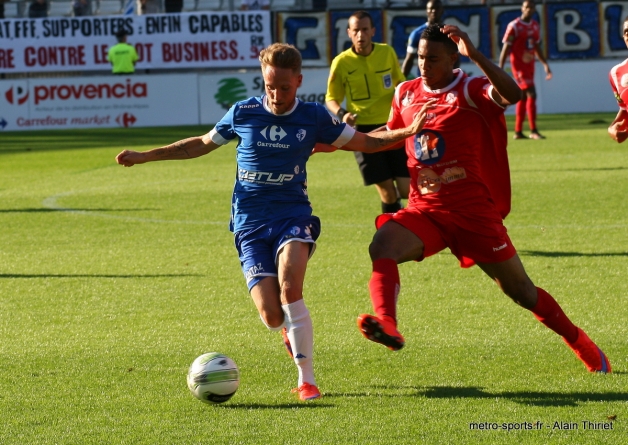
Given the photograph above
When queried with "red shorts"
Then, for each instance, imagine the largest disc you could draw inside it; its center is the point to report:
(524, 78)
(476, 240)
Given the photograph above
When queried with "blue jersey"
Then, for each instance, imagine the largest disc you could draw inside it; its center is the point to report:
(272, 151)
(413, 41)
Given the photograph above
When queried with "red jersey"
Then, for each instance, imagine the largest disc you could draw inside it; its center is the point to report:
(619, 83)
(458, 162)
(523, 38)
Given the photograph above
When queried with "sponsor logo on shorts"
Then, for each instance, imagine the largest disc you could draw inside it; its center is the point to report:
(502, 247)
(254, 271)
(304, 233)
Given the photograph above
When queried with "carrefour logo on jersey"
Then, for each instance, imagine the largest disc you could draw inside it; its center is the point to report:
(429, 147)
(273, 133)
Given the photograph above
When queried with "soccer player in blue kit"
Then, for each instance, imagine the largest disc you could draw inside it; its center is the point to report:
(274, 229)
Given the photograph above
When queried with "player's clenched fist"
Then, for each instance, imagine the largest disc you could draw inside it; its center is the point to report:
(129, 158)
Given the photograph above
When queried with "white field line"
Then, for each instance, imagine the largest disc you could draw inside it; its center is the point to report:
(51, 203)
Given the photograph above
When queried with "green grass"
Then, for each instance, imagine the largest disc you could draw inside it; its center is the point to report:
(113, 280)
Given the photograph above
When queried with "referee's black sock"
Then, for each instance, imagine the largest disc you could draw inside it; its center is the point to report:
(392, 208)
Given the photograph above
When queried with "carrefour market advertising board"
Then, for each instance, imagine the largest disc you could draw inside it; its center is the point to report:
(188, 40)
(95, 102)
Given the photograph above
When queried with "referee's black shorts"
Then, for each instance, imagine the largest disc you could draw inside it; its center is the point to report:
(378, 167)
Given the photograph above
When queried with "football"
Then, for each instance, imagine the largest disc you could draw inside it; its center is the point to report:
(213, 378)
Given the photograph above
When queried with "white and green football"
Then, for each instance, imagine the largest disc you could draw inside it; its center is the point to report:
(213, 378)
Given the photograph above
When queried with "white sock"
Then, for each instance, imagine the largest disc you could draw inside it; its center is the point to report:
(301, 334)
(270, 328)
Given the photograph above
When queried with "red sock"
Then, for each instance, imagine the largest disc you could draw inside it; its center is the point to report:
(384, 288)
(531, 108)
(549, 312)
(520, 114)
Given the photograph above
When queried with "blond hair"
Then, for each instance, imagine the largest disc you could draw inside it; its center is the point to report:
(281, 55)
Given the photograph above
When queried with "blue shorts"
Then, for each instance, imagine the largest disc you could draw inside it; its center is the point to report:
(258, 248)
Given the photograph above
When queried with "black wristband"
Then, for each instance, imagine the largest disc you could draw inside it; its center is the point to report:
(341, 113)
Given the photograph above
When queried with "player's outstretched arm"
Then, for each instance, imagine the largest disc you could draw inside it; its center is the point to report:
(618, 130)
(385, 139)
(506, 89)
(184, 149)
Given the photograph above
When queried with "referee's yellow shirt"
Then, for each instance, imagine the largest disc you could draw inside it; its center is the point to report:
(368, 83)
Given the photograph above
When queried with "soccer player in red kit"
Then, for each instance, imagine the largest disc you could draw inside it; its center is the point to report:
(618, 76)
(521, 41)
(453, 202)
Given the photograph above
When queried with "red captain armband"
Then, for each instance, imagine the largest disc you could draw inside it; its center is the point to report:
(323, 148)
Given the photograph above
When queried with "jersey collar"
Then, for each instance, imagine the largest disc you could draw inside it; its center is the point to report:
(296, 103)
(458, 73)
(524, 23)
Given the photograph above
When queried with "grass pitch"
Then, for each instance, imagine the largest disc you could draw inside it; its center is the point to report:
(113, 280)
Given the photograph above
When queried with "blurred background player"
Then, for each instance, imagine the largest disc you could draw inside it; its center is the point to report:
(366, 76)
(434, 12)
(453, 201)
(522, 41)
(274, 229)
(122, 56)
(618, 76)
(37, 9)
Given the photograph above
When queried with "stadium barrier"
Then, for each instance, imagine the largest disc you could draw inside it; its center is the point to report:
(192, 99)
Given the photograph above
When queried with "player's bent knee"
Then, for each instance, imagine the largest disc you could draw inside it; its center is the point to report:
(274, 322)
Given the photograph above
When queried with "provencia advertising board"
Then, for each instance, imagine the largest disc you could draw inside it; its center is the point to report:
(94, 102)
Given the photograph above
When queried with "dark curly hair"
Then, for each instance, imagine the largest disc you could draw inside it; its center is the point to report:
(433, 34)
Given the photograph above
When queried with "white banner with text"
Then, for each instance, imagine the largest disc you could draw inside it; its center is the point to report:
(188, 40)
